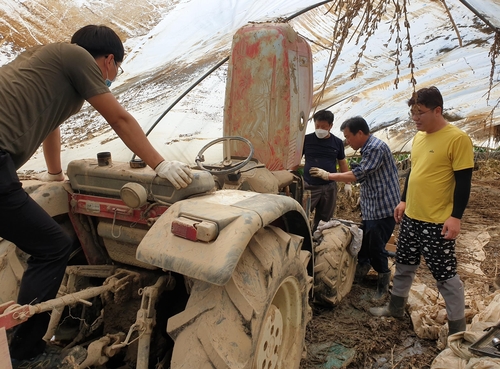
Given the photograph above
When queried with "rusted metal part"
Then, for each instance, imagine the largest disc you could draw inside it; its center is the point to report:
(12, 314)
(269, 93)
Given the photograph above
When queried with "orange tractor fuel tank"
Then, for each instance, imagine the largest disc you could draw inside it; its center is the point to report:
(269, 93)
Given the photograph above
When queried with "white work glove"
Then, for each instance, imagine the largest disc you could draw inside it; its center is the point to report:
(179, 174)
(348, 189)
(318, 172)
(47, 177)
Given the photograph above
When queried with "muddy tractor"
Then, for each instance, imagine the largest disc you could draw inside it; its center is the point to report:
(216, 275)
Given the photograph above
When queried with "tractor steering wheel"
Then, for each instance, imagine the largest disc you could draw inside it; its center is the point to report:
(227, 165)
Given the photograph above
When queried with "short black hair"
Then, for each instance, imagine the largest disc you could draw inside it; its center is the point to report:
(99, 41)
(430, 97)
(323, 115)
(355, 125)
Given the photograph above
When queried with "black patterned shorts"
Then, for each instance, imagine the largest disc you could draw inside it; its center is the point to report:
(422, 238)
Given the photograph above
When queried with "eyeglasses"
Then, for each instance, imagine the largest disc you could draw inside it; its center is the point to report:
(119, 70)
(412, 114)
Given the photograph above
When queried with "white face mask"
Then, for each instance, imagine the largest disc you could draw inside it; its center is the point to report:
(321, 133)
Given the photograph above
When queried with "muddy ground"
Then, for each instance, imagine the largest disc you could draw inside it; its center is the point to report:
(387, 343)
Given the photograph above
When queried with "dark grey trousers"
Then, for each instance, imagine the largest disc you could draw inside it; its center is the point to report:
(323, 201)
(25, 223)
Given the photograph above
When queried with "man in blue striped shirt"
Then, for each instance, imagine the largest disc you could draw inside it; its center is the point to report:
(380, 194)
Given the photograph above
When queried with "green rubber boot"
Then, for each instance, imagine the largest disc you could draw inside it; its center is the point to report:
(382, 285)
(396, 308)
(455, 326)
(361, 272)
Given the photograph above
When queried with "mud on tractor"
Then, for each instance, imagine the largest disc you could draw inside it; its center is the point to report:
(216, 275)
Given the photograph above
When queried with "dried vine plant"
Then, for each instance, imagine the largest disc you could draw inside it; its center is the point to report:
(493, 54)
(366, 16)
(346, 11)
(369, 22)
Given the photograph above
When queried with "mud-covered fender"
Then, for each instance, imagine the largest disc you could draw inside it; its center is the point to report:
(11, 271)
(51, 196)
(238, 216)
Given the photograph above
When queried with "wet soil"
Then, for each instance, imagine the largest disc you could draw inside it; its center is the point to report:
(388, 343)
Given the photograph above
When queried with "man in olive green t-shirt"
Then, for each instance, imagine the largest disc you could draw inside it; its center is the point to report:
(432, 204)
(39, 90)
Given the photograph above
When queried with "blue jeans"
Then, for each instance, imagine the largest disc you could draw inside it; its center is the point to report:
(376, 234)
(26, 224)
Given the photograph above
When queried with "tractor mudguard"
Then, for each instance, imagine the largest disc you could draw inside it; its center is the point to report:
(237, 215)
(51, 196)
(11, 271)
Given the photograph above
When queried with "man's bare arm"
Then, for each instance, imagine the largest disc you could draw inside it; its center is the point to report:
(126, 127)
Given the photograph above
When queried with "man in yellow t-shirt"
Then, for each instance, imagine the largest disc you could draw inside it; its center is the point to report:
(436, 193)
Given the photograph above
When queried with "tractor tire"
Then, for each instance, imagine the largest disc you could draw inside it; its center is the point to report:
(334, 267)
(258, 319)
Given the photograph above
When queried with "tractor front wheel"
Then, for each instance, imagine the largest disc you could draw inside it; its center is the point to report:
(334, 267)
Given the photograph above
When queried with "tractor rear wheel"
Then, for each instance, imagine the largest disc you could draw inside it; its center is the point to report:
(334, 267)
(258, 319)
